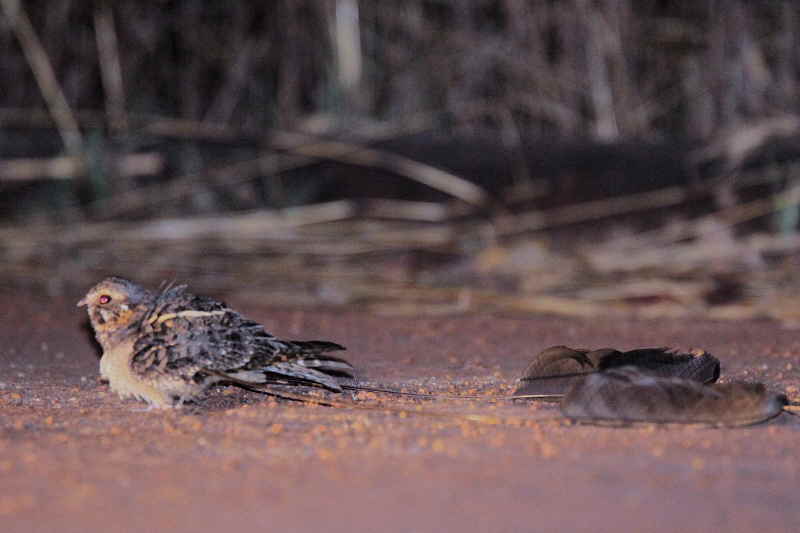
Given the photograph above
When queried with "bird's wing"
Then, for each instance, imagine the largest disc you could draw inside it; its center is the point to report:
(189, 334)
(192, 339)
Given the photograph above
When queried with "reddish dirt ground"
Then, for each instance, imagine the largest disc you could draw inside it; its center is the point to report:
(73, 457)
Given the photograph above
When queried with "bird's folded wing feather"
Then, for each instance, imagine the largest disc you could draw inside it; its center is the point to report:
(219, 340)
(187, 337)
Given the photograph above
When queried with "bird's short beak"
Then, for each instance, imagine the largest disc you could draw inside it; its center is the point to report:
(82, 302)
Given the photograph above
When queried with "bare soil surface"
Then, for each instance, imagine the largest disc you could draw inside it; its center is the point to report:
(74, 457)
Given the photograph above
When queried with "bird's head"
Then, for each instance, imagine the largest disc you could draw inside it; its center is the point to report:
(114, 306)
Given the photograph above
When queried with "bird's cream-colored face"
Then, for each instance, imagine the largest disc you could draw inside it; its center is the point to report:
(113, 305)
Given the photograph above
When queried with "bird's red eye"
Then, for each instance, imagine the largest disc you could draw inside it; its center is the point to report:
(104, 299)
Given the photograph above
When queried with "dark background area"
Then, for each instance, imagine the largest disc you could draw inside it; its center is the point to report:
(338, 152)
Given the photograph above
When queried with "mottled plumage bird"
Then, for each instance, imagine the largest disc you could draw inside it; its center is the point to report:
(168, 347)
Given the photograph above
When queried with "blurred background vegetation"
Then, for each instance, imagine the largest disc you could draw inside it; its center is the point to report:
(575, 156)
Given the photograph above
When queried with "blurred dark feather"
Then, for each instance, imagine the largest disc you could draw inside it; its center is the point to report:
(556, 369)
(626, 394)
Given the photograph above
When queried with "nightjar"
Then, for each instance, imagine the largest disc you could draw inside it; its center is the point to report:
(168, 347)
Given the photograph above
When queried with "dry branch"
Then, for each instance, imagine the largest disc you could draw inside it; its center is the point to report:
(435, 178)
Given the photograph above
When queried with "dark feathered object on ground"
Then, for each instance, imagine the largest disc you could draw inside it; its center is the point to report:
(556, 369)
(628, 395)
